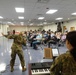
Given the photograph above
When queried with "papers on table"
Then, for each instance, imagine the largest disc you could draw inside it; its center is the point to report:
(55, 52)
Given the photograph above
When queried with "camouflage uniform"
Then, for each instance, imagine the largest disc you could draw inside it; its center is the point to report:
(17, 49)
(63, 65)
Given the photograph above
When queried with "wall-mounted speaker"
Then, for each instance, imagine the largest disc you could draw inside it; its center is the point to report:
(62, 22)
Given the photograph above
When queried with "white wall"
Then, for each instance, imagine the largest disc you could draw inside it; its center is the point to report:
(24, 28)
(0, 28)
(34, 27)
(3, 28)
(70, 24)
(53, 27)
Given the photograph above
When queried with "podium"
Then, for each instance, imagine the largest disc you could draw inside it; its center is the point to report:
(48, 53)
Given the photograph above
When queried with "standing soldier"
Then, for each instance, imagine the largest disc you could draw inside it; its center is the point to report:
(17, 49)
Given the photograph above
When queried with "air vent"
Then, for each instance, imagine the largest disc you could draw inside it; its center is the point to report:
(43, 1)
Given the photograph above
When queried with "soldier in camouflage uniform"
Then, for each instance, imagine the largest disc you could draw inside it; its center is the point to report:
(65, 64)
(17, 49)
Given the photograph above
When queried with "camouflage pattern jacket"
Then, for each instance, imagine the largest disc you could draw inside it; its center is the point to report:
(18, 41)
(63, 65)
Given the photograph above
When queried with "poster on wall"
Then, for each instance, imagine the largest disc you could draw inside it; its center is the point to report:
(72, 28)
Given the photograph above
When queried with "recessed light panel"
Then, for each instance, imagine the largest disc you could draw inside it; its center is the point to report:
(19, 10)
(59, 18)
(74, 13)
(1, 17)
(21, 17)
(40, 18)
(51, 11)
(22, 23)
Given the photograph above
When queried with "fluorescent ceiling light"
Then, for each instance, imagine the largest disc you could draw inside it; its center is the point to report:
(1, 17)
(19, 10)
(59, 18)
(22, 23)
(74, 13)
(45, 23)
(31, 24)
(8, 22)
(41, 24)
(21, 17)
(51, 11)
(40, 18)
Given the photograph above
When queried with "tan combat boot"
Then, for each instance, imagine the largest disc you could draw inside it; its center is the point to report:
(23, 69)
(12, 69)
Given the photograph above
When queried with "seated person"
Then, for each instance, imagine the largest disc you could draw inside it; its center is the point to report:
(37, 40)
(63, 37)
(31, 38)
(45, 38)
(53, 40)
